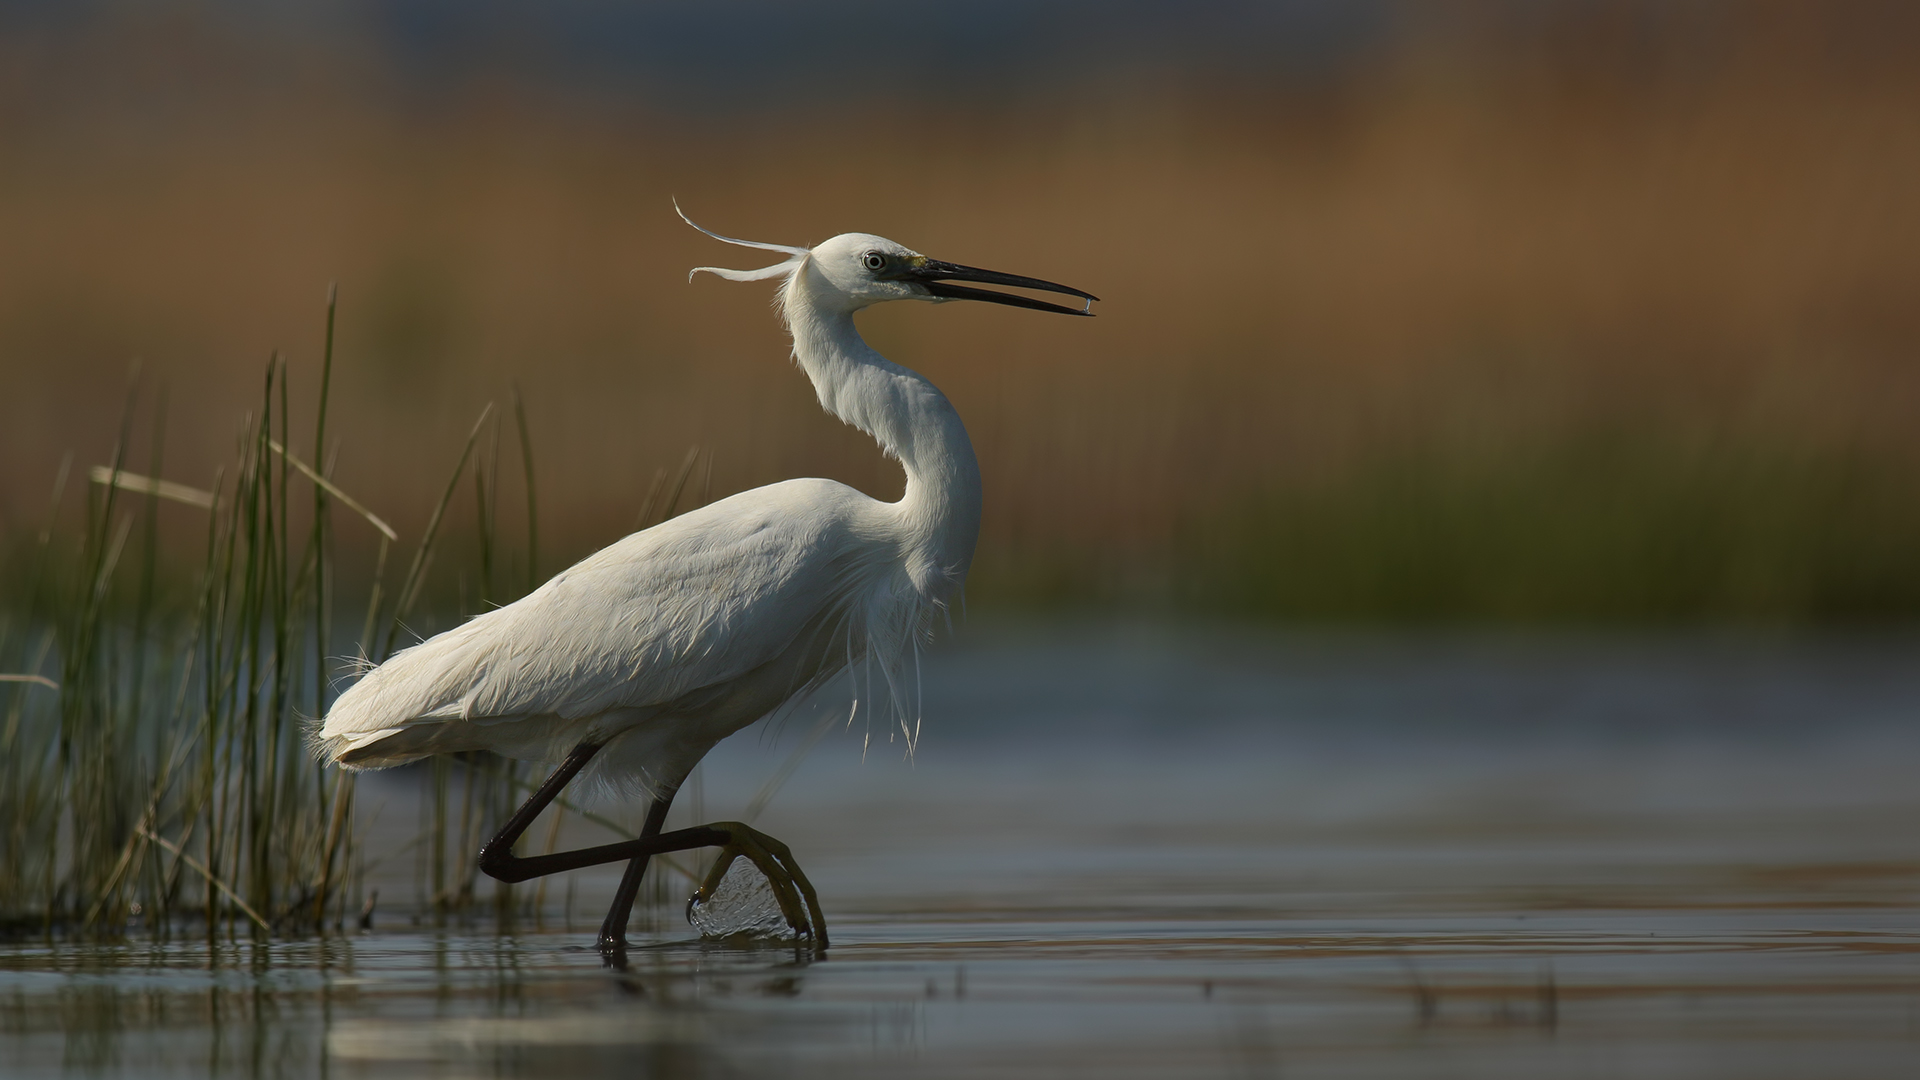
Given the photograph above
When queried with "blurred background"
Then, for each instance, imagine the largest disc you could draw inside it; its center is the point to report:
(1562, 311)
(1350, 629)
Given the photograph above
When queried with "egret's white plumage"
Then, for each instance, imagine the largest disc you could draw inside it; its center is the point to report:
(673, 638)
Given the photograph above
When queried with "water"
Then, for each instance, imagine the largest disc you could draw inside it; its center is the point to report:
(1147, 852)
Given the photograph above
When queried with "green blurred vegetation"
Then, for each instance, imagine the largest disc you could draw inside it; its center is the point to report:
(1606, 529)
(154, 712)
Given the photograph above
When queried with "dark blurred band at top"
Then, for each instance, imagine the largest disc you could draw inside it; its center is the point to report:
(744, 56)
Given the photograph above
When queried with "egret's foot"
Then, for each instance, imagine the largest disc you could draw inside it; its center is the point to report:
(611, 941)
(799, 904)
(613, 954)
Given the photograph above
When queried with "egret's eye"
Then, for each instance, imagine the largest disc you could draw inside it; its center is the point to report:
(875, 261)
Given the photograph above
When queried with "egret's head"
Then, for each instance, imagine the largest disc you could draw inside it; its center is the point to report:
(860, 269)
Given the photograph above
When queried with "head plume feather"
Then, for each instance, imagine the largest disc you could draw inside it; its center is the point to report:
(795, 255)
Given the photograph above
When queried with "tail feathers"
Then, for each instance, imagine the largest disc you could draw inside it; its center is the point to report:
(526, 738)
(415, 688)
(401, 745)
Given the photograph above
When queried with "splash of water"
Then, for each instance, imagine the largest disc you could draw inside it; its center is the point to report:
(742, 904)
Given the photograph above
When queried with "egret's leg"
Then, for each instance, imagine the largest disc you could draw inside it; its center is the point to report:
(792, 866)
(753, 851)
(775, 861)
(498, 852)
(781, 871)
(790, 885)
(613, 931)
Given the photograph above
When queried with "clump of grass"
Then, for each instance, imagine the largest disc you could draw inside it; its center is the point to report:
(153, 765)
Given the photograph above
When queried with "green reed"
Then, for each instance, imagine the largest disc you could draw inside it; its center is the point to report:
(162, 775)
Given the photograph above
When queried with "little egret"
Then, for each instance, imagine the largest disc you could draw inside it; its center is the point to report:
(640, 658)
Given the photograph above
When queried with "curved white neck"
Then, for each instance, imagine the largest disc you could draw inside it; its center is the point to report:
(911, 420)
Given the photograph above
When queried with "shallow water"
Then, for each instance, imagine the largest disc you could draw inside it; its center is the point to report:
(1147, 852)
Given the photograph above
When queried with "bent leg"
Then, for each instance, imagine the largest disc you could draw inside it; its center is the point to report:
(769, 855)
(496, 855)
(798, 903)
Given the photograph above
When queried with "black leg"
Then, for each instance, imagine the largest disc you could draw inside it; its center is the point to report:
(613, 932)
(796, 895)
(496, 855)
(516, 868)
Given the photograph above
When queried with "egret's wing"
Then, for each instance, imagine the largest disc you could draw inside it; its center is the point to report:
(697, 601)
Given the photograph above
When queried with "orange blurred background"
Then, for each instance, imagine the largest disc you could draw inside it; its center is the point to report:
(1499, 311)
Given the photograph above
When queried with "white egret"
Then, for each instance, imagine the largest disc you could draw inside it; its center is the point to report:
(634, 662)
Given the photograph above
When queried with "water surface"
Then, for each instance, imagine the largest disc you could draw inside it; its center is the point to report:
(1148, 852)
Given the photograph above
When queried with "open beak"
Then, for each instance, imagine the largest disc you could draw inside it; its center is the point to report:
(938, 278)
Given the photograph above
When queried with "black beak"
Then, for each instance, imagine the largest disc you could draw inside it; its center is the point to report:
(938, 276)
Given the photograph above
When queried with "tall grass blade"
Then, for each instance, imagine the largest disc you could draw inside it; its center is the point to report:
(222, 887)
(330, 488)
(533, 511)
(341, 811)
(146, 485)
(416, 572)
